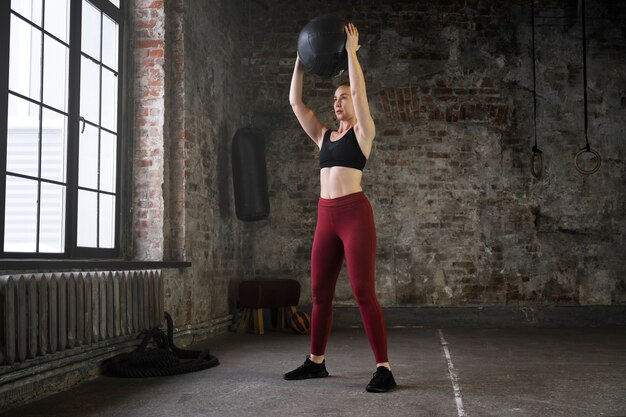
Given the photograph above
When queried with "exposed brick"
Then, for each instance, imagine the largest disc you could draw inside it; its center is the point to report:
(449, 174)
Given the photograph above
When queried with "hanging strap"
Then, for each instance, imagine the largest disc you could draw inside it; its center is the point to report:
(532, 17)
(587, 147)
(536, 162)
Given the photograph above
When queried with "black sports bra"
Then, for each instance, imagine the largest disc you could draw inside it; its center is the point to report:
(344, 152)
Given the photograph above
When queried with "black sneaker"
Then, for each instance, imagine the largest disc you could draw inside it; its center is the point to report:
(382, 381)
(307, 370)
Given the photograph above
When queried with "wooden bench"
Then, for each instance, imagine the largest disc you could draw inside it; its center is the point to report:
(256, 295)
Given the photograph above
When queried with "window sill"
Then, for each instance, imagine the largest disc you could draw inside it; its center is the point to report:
(87, 264)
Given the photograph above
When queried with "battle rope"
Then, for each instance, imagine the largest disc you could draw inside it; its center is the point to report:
(161, 361)
(587, 147)
(536, 161)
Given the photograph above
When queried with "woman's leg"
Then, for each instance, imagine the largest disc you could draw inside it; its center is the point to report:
(326, 261)
(358, 232)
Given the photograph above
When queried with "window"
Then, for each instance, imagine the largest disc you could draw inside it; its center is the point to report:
(60, 130)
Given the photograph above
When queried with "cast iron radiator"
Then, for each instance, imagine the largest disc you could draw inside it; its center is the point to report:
(46, 313)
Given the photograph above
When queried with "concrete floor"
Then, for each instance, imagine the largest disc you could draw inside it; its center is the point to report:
(448, 372)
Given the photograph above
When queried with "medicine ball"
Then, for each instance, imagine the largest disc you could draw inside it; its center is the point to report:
(300, 322)
(322, 46)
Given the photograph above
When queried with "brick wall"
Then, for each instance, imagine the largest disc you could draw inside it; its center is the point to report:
(188, 106)
(460, 218)
(149, 51)
(213, 108)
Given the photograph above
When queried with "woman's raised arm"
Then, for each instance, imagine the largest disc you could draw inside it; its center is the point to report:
(365, 124)
(307, 118)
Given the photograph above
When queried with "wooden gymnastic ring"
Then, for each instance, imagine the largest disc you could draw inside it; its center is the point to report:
(595, 168)
(539, 156)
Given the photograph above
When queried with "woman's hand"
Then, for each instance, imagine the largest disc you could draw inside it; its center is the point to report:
(352, 41)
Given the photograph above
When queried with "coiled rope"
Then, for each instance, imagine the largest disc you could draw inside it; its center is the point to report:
(164, 360)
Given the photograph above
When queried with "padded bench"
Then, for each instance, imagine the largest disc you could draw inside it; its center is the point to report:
(255, 295)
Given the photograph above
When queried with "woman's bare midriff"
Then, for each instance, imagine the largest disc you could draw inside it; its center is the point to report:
(339, 181)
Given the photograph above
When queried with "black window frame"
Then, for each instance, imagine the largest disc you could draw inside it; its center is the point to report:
(74, 125)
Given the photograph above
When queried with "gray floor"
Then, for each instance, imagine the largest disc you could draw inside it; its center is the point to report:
(448, 372)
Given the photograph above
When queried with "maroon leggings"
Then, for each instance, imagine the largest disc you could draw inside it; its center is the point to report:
(345, 226)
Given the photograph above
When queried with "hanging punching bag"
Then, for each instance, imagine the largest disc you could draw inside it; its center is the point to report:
(250, 175)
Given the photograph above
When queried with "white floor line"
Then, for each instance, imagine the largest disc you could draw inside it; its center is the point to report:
(453, 377)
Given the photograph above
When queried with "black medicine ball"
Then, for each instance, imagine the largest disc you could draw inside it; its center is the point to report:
(322, 46)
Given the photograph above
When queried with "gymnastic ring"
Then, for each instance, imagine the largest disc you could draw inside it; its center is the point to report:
(595, 168)
(539, 156)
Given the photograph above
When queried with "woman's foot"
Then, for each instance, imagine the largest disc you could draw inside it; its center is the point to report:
(307, 370)
(382, 381)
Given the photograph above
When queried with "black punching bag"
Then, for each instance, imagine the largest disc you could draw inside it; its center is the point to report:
(250, 175)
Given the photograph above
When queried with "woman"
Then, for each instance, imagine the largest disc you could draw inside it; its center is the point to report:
(345, 223)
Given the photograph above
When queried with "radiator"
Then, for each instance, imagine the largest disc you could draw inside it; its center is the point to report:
(46, 313)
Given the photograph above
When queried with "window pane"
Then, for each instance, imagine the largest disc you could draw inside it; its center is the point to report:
(52, 215)
(25, 59)
(23, 137)
(108, 155)
(30, 9)
(87, 219)
(53, 146)
(88, 158)
(109, 42)
(90, 90)
(115, 2)
(55, 67)
(57, 18)
(91, 31)
(20, 220)
(107, 221)
(109, 100)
